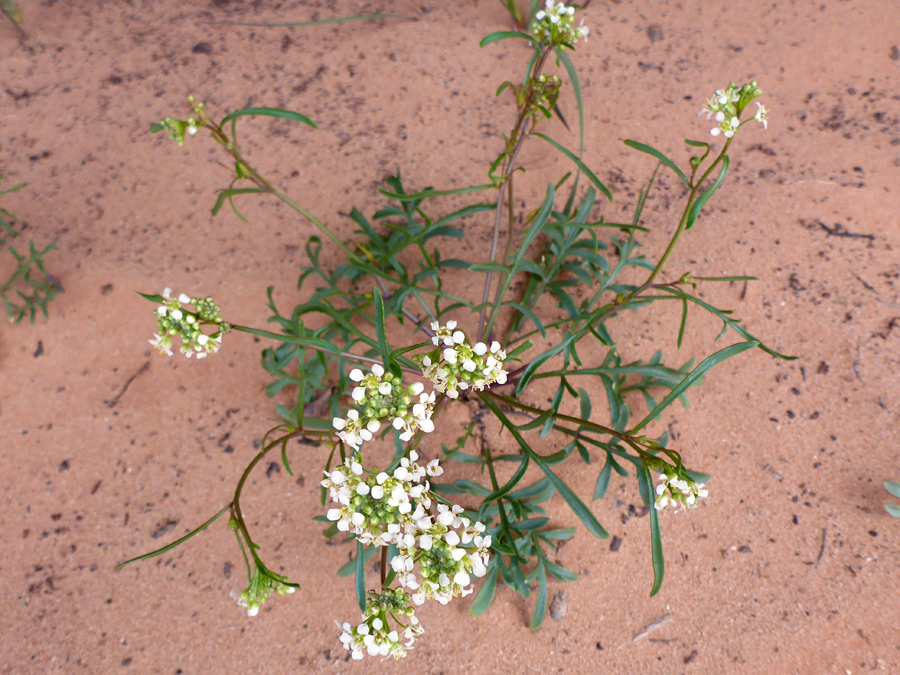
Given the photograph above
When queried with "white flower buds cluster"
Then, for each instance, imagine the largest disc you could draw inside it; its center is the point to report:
(262, 585)
(173, 318)
(449, 550)
(726, 106)
(553, 24)
(400, 510)
(384, 397)
(457, 365)
(379, 509)
(375, 635)
(677, 491)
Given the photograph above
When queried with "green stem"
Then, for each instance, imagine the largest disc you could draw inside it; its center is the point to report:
(236, 502)
(684, 217)
(519, 132)
(305, 343)
(559, 416)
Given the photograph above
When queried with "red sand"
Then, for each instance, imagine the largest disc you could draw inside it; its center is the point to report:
(790, 566)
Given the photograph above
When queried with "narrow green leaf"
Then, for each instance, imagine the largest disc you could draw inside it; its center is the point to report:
(893, 509)
(707, 364)
(557, 535)
(486, 595)
(560, 572)
(576, 89)
(581, 165)
(505, 35)
(348, 569)
(585, 399)
(531, 316)
(684, 311)
(892, 487)
(177, 542)
(735, 278)
(380, 330)
(579, 508)
(229, 193)
(360, 576)
(488, 267)
(659, 564)
(603, 479)
(510, 484)
(284, 459)
(702, 199)
(641, 147)
(540, 603)
(154, 128)
(270, 112)
(426, 194)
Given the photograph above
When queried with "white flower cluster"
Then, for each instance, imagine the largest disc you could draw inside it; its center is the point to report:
(726, 106)
(459, 365)
(437, 545)
(262, 585)
(384, 397)
(400, 510)
(375, 635)
(380, 509)
(174, 319)
(678, 492)
(553, 24)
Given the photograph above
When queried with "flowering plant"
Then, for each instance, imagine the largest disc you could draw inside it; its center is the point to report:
(399, 362)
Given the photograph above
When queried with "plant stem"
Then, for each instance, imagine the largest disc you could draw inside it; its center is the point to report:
(236, 503)
(559, 416)
(520, 133)
(344, 355)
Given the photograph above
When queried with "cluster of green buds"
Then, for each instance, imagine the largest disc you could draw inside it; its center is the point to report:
(173, 318)
(677, 488)
(375, 635)
(178, 128)
(457, 365)
(554, 25)
(384, 397)
(727, 105)
(546, 93)
(263, 583)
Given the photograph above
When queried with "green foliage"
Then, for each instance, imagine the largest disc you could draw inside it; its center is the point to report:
(29, 288)
(894, 489)
(564, 273)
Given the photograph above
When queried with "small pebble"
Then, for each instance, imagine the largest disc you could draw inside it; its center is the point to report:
(559, 606)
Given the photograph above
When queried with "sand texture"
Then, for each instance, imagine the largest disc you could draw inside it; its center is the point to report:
(108, 449)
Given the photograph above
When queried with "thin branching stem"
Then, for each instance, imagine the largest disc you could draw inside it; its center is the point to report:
(519, 133)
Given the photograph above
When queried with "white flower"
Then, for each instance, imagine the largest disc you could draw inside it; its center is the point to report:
(761, 115)
(678, 491)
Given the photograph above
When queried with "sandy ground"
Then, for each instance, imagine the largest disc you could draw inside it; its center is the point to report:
(107, 449)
